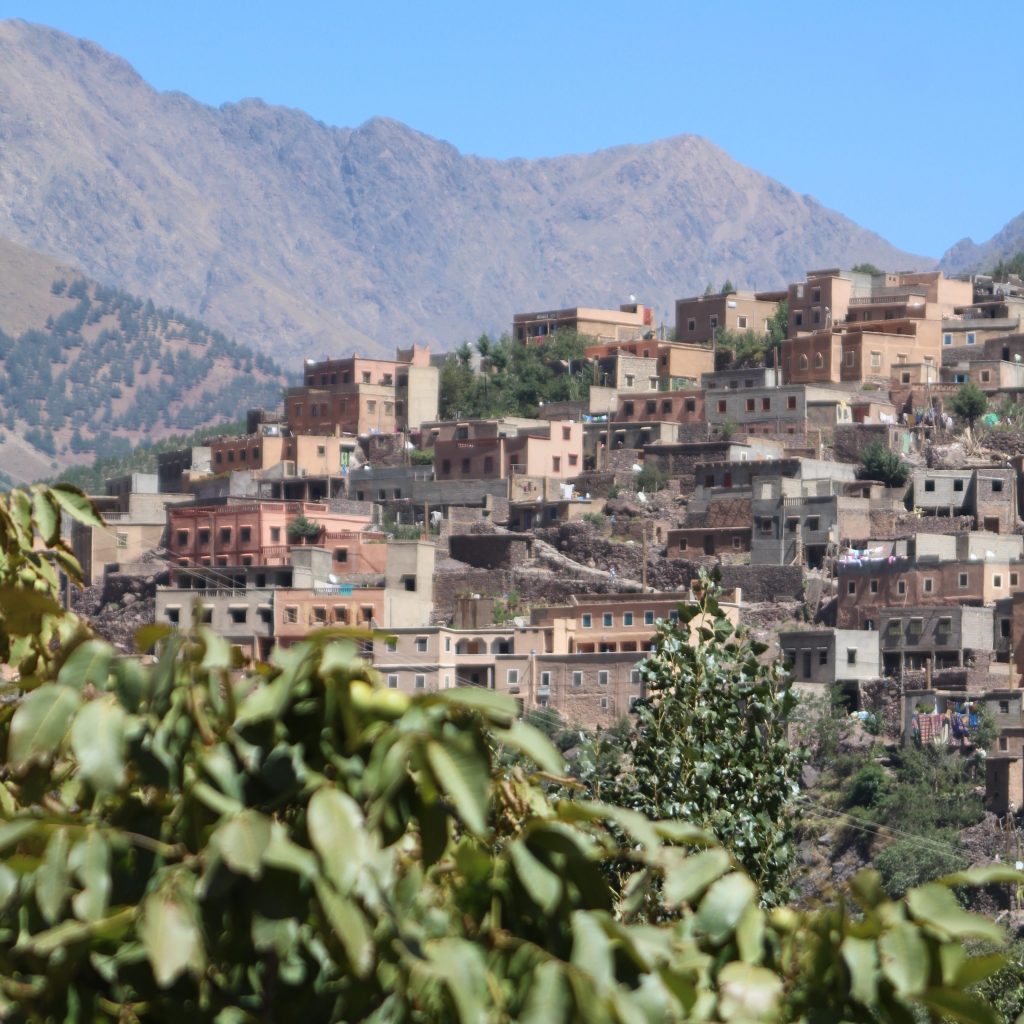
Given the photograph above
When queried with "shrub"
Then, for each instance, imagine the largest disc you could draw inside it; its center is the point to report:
(301, 528)
(879, 462)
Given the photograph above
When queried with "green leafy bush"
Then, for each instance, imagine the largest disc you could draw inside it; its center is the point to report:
(183, 841)
(880, 462)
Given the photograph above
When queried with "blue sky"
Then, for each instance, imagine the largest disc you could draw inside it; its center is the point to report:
(904, 116)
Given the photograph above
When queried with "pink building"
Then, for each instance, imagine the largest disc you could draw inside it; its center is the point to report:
(256, 533)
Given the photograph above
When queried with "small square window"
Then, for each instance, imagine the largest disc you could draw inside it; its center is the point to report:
(648, 618)
(607, 619)
(421, 682)
(586, 620)
(822, 656)
(393, 682)
(1013, 579)
(512, 676)
(577, 679)
(722, 405)
(602, 677)
(929, 485)
(901, 587)
(963, 579)
(391, 644)
(851, 587)
(958, 485)
(997, 581)
(634, 676)
(603, 702)
(997, 486)
(874, 586)
(627, 618)
(421, 644)
(851, 655)
(928, 584)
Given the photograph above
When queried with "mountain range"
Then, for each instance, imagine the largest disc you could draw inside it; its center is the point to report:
(299, 238)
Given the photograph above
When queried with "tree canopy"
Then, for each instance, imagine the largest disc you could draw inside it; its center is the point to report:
(970, 403)
(514, 379)
(879, 462)
(710, 742)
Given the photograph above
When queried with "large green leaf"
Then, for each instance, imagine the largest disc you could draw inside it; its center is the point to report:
(547, 999)
(47, 516)
(489, 702)
(77, 505)
(904, 956)
(861, 959)
(99, 742)
(338, 834)
(543, 885)
(349, 926)
(748, 993)
(40, 724)
(936, 906)
(52, 877)
(686, 877)
(462, 966)
(465, 779)
(591, 948)
(241, 842)
(91, 862)
(23, 609)
(534, 744)
(89, 662)
(171, 938)
(951, 1004)
(723, 906)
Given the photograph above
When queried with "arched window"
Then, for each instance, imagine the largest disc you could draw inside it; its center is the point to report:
(803, 362)
(819, 361)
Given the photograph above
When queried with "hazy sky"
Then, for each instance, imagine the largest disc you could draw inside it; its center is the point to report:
(905, 116)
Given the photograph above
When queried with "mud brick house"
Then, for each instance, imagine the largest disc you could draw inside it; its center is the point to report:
(830, 656)
(630, 322)
(554, 449)
(361, 396)
(685, 407)
(946, 636)
(989, 493)
(778, 410)
(701, 317)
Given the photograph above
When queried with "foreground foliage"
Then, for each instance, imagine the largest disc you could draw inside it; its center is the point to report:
(184, 843)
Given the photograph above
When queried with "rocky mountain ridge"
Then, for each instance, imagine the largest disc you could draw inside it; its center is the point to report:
(304, 239)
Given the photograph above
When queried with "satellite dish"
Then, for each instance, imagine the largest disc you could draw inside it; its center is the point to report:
(334, 579)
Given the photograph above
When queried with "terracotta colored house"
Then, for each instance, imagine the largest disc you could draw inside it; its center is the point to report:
(363, 396)
(256, 533)
(555, 450)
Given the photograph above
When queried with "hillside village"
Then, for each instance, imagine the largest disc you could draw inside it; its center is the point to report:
(843, 455)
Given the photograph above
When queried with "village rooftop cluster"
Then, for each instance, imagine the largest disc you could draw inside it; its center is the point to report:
(535, 556)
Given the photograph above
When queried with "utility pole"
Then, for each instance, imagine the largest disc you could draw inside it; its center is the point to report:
(643, 549)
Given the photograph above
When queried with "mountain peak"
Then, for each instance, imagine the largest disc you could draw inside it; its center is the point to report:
(297, 237)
